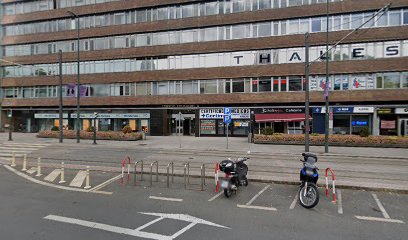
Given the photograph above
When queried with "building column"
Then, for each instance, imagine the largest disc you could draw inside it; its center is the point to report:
(376, 123)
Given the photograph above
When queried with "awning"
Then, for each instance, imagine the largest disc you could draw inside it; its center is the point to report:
(280, 117)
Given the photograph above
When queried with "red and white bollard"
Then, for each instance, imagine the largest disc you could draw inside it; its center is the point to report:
(217, 182)
(123, 170)
(333, 183)
(128, 169)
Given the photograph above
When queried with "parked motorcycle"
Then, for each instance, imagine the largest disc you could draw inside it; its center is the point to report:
(235, 175)
(308, 193)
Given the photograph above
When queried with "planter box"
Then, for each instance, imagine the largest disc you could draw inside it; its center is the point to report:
(71, 134)
(335, 140)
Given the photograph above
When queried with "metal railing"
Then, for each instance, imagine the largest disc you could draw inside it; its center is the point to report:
(168, 174)
(202, 177)
(141, 171)
(151, 172)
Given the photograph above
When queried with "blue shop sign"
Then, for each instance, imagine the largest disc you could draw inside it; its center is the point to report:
(343, 109)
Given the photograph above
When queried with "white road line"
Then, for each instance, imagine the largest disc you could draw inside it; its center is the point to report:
(25, 144)
(50, 184)
(31, 170)
(339, 202)
(10, 150)
(293, 204)
(149, 223)
(53, 175)
(384, 213)
(379, 219)
(257, 195)
(257, 207)
(106, 183)
(79, 179)
(216, 196)
(166, 199)
(183, 230)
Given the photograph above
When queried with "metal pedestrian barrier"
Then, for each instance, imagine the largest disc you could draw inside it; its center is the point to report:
(141, 171)
(168, 174)
(151, 172)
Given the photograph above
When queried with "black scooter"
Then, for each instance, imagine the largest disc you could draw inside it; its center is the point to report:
(308, 192)
(235, 175)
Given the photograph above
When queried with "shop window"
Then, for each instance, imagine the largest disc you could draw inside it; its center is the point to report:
(295, 83)
(391, 80)
(341, 124)
(208, 127)
(358, 122)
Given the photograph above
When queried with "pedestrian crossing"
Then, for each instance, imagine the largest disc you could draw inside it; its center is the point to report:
(19, 149)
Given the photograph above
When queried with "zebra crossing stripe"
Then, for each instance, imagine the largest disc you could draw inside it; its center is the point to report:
(78, 179)
(31, 170)
(53, 175)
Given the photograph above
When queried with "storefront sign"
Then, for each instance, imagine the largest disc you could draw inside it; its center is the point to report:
(384, 111)
(363, 109)
(343, 109)
(401, 110)
(218, 113)
(387, 124)
(49, 115)
(282, 110)
(113, 115)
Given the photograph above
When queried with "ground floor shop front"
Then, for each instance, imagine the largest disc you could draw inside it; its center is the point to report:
(209, 121)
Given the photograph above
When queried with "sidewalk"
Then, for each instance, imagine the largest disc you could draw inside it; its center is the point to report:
(366, 168)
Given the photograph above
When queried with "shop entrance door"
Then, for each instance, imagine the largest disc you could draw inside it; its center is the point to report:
(187, 127)
(279, 127)
(404, 127)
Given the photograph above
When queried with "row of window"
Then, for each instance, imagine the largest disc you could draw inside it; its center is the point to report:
(357, 51)
(195, 9)
(150, 14)
(393, 80)
(240, 31)
(44, 5)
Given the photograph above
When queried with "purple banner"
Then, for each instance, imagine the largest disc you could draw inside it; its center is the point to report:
(72, 88)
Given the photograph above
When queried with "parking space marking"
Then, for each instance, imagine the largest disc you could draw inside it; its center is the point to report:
(31, 170)
(257, 207)
(380, 219)
(106, 183)
(257, 195)
(216, 196)
(292, 206)
(339, 202)
(384, 213)
(166, 199)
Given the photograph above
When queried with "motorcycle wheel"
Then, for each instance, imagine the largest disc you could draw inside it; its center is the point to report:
(246, 182)
(312, 196)
(228, 192)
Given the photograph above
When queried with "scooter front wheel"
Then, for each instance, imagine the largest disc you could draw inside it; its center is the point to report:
(309, 197)
(228, 192)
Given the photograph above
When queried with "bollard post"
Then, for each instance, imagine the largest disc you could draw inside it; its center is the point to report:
(24, 163)
(62, 173)
(186, 175)
(202, 178)
(88, 186)
(13, 159)
(128, 170)
(38, 168)
(123, 171)
(168, 177)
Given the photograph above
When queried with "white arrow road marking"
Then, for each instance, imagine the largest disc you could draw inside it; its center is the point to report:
(138, 231)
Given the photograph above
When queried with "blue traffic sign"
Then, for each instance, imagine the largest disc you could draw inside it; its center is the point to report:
(227, 111)
(227, 119)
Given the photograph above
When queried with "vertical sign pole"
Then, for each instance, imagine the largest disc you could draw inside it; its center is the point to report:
(60, 98)
(227, 133)
(307, 124)
(179, 128)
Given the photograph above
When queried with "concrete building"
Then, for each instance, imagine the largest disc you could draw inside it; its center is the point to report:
(142, 62)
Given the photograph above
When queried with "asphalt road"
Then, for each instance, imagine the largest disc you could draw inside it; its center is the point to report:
(32, 211)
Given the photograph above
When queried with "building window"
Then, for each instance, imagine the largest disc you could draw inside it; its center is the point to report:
(208, 86)
(295, 83)
(391, 80)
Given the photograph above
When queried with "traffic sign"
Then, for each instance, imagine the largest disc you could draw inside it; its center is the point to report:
(227, 111)
(227, 119)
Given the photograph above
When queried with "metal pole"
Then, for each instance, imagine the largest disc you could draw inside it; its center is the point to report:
(60, 97)
(227, 133)
(94, 133)
(10, 115)
(307, 125)
(326, 133)
(78, 82)
(179, 128)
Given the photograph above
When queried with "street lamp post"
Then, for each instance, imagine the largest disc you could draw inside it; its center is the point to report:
(60, 97)
(74, 16)
(326, 132)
